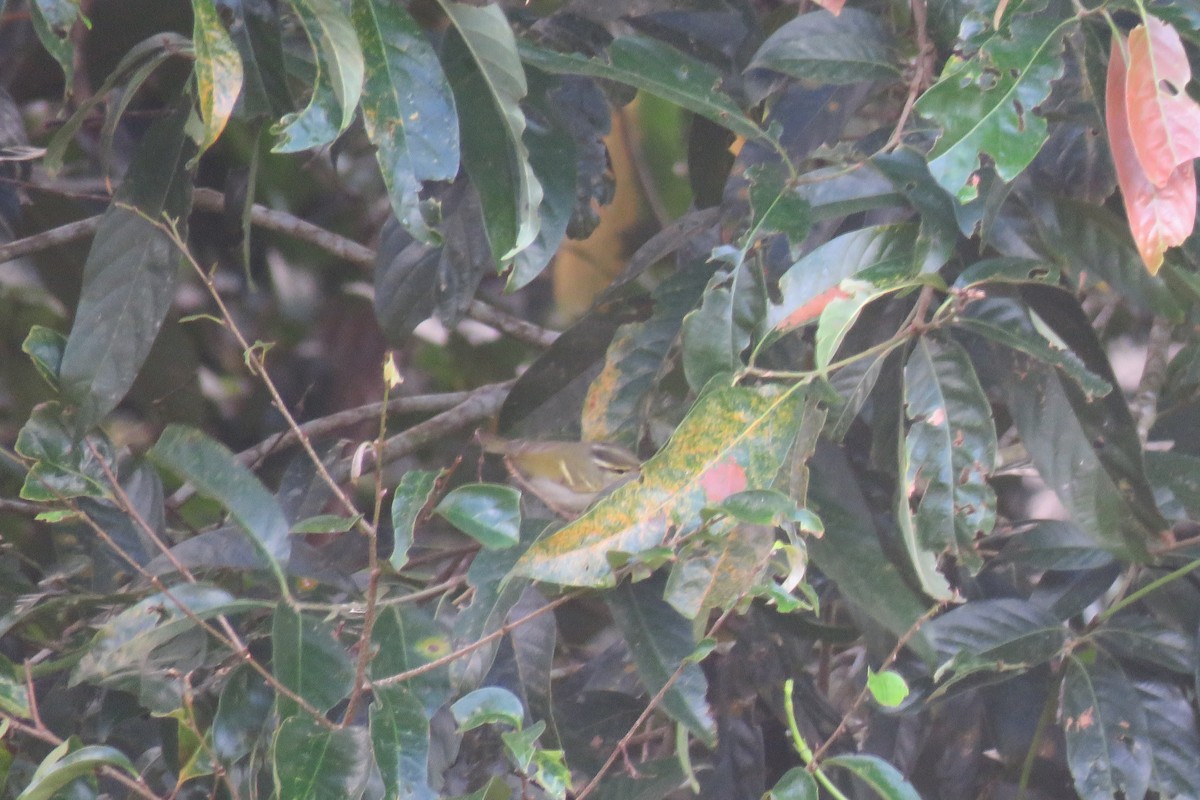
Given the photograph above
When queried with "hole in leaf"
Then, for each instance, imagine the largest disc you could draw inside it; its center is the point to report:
(1020, 115)
(1166, 87)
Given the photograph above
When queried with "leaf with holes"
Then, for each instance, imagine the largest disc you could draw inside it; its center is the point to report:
(1164, 122)
(1160, 216)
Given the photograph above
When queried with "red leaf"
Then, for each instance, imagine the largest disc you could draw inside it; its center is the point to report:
(1159, 217)
(811, 311)
(1164, 121)
(721, 480)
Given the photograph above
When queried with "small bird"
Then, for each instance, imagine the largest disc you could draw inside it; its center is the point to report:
(566, 476)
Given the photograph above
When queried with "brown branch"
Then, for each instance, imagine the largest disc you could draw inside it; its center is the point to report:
(1144, 405)
(515, 327)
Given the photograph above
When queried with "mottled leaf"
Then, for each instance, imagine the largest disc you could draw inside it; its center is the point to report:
(718, 572)
(218, 70)
(62, 466)
(1105, 728)
(733, 439)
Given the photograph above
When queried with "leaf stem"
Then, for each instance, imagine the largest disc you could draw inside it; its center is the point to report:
(801, 746)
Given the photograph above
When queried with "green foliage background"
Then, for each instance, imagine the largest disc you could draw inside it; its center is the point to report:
(902, 529)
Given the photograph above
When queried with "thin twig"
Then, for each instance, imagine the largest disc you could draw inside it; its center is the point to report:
(923, 71)
(515, 327)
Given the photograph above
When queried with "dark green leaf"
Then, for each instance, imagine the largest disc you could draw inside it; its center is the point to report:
(1007, 323)
(242, 714)
(325, 523)
(850, 551)
(63, 467)
(129, 278)
(56, 771)
(216, 473)
(488, 705)
(985, 103)
(657, 68)
(480, 59)
(534, 644)
(254, 27)
(314, 761)
(407, 106)
(400, 742)
(1171, 733)
(660, 642)
(881, 776)
(1055, 544)
(996, 634)
(411, 497)
(1176, 481)
(1143, 638)
(338, 83)
(1007, 270)
(850, 47)
(307, 658)
(1105, 727)
(951, 450)
(489, 513)
(776, 206)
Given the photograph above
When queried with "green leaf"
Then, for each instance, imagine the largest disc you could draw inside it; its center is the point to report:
(480, 59)
(242, 714)
(1176, 481)
(45, 346)
(767, 507)
(219, 75)
(407, 106)
(216, 473)
(338, 83)
(1171, 734)
(951, 450)
(1105, 728)
(52, 21)
(796, 784)
(489, 705)
(842, 312)
(408, 638)
(307, 658)
(487, 512)
(881, 776)
(985, 104)
(55, 773)
(412, 495)
(534, 645)
(14, 696)
(888, 687)
(314, 761)
(63, 467)
(657, 68)
(776, 207)
(733, 439)
(660, 642)
(130, 274)
(400, 742)
(1003, 634)
(716, 334)
(850, 47)
(718, 573)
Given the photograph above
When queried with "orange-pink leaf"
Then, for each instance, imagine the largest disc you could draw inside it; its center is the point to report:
(1159, 217)
(832, 6)
(1163, 120)
(723, 479)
